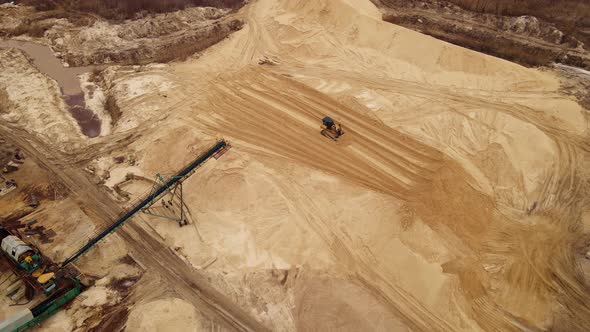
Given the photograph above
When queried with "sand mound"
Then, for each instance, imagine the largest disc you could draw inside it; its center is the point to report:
(456, 174)
(446, 150)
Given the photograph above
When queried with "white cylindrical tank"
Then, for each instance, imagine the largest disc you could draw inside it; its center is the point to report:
(14, 247)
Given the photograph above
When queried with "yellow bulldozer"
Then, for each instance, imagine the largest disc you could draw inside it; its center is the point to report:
(10, 167)
(331, 129)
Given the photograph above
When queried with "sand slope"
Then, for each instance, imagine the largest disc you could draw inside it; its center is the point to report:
(452, 203)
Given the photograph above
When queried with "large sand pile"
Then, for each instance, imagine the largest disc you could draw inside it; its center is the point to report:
(446, 151)
(452, 203)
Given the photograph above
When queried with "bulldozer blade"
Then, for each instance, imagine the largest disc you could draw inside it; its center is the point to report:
(330, 135)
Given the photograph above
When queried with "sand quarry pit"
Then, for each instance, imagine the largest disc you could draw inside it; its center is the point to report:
(457, 200)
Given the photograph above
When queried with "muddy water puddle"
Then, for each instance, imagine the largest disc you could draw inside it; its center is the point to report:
(88, 121)
(67, 78)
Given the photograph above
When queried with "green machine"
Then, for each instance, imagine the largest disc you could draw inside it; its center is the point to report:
(27, 319)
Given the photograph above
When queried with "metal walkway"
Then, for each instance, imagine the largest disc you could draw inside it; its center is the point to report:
(147, 201)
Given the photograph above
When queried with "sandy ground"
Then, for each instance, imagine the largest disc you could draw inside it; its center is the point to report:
(108, 266)
(163, 315)
(35, 102)
(451, 160)
(446, 151)
(456, 200)
(82, 38)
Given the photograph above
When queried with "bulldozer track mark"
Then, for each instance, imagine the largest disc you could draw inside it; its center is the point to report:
(383, 159)
(454, 97)
(345, 166)
(359, 259)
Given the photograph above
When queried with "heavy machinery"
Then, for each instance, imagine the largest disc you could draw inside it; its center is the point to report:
(28, 259)
(10, 167)
(21, 253)
(69, 286)
(145, 202)
(29, 318)
(331, 129)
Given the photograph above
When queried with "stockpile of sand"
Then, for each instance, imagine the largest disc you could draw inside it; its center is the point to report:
(445, 150)
(435, 211)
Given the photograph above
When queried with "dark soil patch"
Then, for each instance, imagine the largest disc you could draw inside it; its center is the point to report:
(534, 41)
(51, 191)
(112, 107)
(570, 16)
(35, 24)
(114, 317)
(88, 121)
(124, 285)
(125, 9)
(127, 260)
(4, 100)
(113, 320)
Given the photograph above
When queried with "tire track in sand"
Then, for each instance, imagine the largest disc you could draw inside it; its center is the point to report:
(283, 116)
(277, 115)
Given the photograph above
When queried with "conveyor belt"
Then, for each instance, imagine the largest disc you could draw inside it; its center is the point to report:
(181, 176)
